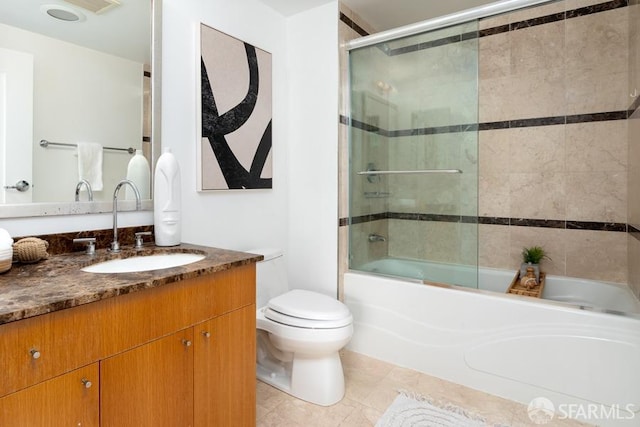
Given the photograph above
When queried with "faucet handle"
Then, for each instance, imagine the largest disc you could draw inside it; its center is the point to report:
(90, 244)
(140, 238)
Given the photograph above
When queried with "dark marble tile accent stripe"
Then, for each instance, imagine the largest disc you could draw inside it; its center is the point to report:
(146, 139)
(538, 121)
(514, 26)
(493, 220)
(433, 130)
(520, 123)
(596, 226)
(542, 223)
(344, 119)
(146, 73)
(357, 28)
(596, 8)
(494, 125)
(537, 21)
(425, 45)
(369, 128)
(519, 222)
(366, 218)
(597, 117)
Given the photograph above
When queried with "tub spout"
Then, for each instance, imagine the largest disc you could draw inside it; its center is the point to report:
(376, 238)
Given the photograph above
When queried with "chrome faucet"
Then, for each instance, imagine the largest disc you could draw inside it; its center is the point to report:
(89, 190)
(115, 246)
(376, 238)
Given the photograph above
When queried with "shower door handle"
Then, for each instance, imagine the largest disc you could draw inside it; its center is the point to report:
(409, 172)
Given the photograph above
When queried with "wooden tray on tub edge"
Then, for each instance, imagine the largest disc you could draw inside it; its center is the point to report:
(518, 289)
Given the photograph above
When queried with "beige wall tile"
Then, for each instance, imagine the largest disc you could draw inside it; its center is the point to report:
(597, 146)
(494, 151)
(536, 94)
(596, 90)
(538, 48)
(597, 196)
(444, 241)
(361, 250)
(538, 195)
(493, 21)
(409, 239)
(599, 40)
(537, 149)
(576, 4)
(494, 248)
(553, 241)
(343, 257)
(597, 255)
(494, 198)
(494, 56)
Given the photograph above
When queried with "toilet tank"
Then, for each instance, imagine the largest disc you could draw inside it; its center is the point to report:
(271, 275)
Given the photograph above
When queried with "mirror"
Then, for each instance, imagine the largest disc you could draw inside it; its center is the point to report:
(75, 72)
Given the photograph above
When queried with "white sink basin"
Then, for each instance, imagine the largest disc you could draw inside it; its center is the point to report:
(143, 263)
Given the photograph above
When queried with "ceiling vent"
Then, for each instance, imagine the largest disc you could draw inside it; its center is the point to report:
(95, 6)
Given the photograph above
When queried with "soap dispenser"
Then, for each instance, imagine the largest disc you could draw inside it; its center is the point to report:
(166, 200)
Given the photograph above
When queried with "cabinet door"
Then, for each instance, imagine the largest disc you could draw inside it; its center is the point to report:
(68, 400)
(225, 370)
(151, 385)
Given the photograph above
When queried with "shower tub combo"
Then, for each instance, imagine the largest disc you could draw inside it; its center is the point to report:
(573, 352)
(414, 199)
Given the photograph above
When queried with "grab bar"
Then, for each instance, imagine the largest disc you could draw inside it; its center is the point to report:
(44, 144)
(410, 172)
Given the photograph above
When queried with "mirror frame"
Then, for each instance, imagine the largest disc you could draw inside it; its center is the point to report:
(22, 210)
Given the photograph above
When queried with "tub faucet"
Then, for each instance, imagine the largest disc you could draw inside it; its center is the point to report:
(89, 191)
(115, 245)
(376, 238)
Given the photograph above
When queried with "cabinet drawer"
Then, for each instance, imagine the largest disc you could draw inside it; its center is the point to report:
(42, 347)
(68, 400)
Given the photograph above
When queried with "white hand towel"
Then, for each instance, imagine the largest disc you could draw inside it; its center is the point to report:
(90, 164)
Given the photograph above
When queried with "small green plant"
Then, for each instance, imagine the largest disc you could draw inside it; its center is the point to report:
(533, 255)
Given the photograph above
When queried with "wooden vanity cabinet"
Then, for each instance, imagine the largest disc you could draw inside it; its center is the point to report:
(67, 400)
(181, 354)
(151, 385)
(224, 366)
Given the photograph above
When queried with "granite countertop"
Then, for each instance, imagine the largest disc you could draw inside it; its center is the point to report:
(57, 283)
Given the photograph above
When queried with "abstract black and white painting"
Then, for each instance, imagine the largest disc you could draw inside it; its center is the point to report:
(235, 88)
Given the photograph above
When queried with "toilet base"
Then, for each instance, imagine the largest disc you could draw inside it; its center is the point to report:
(317, 380)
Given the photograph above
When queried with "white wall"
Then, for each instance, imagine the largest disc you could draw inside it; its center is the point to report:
(238, 219)
(313, 138)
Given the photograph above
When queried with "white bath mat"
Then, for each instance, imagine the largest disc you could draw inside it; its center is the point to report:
(414, 410)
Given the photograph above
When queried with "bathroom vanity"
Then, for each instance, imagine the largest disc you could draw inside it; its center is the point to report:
(169, 347)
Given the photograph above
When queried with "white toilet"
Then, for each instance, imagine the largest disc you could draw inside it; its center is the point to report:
(299, 334)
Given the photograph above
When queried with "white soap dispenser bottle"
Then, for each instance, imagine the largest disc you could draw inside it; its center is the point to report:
(166, 200)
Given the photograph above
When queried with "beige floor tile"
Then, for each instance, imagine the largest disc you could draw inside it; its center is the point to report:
(371, 386)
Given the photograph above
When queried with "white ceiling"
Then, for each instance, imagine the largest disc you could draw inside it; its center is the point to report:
(124, 31)
(384, 14)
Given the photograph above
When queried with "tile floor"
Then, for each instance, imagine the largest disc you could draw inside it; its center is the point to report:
(371, 386)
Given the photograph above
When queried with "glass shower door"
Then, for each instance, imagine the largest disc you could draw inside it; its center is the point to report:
(414, 157)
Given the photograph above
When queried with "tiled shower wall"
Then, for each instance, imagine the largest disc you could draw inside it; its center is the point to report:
(556, 163)
(553, 138)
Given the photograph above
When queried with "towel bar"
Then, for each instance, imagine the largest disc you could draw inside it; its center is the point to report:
(44, 143)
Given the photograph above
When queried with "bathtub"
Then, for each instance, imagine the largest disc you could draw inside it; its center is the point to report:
(576, 349)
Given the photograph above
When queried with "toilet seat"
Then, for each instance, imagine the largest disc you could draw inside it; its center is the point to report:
(306, 309)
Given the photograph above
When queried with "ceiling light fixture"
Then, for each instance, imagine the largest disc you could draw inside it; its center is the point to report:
(62, 13)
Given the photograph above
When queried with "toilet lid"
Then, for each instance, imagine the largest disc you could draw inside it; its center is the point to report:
(298, 306)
